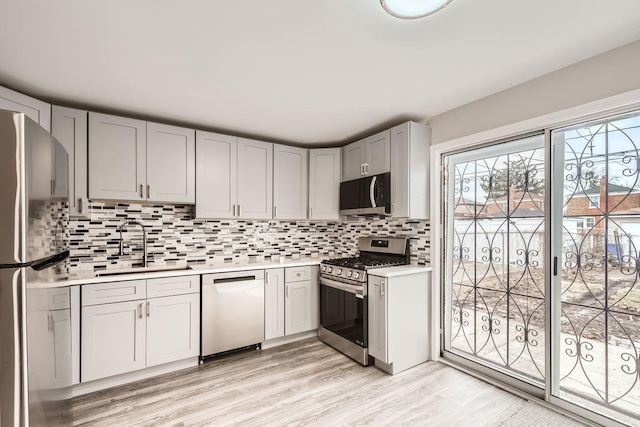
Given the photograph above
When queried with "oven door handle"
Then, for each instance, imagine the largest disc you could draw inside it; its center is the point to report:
(358, 291)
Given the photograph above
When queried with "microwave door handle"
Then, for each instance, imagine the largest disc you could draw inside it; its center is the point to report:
(372, 192)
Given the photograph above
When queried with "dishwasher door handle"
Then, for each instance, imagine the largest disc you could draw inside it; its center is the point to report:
(234, 279)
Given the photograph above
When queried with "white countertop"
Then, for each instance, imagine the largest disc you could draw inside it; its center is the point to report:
(400, 270)
(48, 279)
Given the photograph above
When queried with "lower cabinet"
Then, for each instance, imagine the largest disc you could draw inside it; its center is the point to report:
(291, 301)
(399, 320)
(132, 330)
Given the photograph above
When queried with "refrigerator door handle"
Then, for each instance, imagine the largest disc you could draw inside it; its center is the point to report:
(40, 264)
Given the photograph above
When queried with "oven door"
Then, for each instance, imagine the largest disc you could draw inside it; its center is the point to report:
(343, 310)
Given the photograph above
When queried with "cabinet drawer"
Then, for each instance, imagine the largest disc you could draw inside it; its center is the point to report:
(59, 299)
(104, 293)
(168, 286)
(297, 274)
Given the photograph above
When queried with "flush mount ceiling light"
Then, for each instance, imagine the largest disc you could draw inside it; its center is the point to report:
(410, 9)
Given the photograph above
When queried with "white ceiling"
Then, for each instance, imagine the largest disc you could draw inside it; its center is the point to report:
(296, 71)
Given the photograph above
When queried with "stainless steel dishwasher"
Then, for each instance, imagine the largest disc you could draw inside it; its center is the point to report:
(232, 311)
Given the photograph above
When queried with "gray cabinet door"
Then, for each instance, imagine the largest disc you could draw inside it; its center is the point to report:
(216, 175)
(171, 164)
(117, 158)
(324, 183)
(69, 126)
(377, 301)
(377, 153)
(255, 179)
(290, 188)
(113, 339)
(353, 158)
(36, 110)
(173, 328)
(273, 303)
(298, 314)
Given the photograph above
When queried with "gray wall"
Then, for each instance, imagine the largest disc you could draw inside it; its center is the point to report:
(608, 74)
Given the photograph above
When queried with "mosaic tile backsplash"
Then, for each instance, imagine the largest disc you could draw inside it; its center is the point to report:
(174, 237)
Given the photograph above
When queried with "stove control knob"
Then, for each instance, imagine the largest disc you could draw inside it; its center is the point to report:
(356, 275)
(339, 271)
(349, 273)
(324, 268)
(329, 269)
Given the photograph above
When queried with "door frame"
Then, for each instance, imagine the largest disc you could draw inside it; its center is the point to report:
(597, 109)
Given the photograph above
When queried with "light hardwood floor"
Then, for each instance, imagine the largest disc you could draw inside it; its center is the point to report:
(305, 383)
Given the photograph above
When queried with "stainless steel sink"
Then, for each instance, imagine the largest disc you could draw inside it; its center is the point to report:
(139, 270)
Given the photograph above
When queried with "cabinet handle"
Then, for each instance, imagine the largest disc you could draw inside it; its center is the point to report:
(366, 168)
(310, 212)
(148, 191)
(287, 293)
(234, 210)
(48, 322)
(361, 168)
(275, 211)
(148, 308)
(382, 288)
(141, 192)
(266, 277)
(53, 326)
(53, 187)
(140, 310)
(238, 211)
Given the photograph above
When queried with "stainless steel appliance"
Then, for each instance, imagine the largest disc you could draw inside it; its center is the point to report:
(35, 333)
(368, 195)
(343, 293)
(232, 311)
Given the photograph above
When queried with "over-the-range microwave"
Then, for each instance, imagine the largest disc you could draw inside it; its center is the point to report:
(369, 195)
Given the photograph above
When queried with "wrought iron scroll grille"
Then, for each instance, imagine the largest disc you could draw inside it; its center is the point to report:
(497, 295)
(599, 364)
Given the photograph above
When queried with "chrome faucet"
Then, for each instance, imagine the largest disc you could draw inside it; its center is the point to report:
(144, 239)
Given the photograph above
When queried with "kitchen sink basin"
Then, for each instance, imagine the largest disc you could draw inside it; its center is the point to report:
(135, 270)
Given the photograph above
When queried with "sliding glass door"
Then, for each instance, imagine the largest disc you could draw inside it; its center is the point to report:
(495, 296)
(542, 265)
(596, 253)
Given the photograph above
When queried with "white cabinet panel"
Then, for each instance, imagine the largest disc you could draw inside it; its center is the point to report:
(104, 293)
(170, 164)
(290, 188)
(274, 303)
(216, 175)
(399, 320)
(173, 331)
(410, 170)
(117, 157)
(377, 150)
(370, 156)
(168, 286)
(61, 369)
(353, 158)
(36, 110)
(377, 319)
(297, 308)
(324, 183)
(255, 179)
(113, 339)
(69, 126)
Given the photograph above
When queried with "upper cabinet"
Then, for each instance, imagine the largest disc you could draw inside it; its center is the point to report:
(69, 126)
(216, 175)
(134, 160)
(255, 179)
(410, 143)
(234, 177)
(171, 164)
(369, 156)
(324, 183)
(290, 188)
(38, 111)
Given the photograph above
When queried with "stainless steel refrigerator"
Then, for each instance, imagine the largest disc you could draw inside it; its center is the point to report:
(35, 331)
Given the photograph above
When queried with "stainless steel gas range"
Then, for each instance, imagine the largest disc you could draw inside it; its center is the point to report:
(343, 293)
